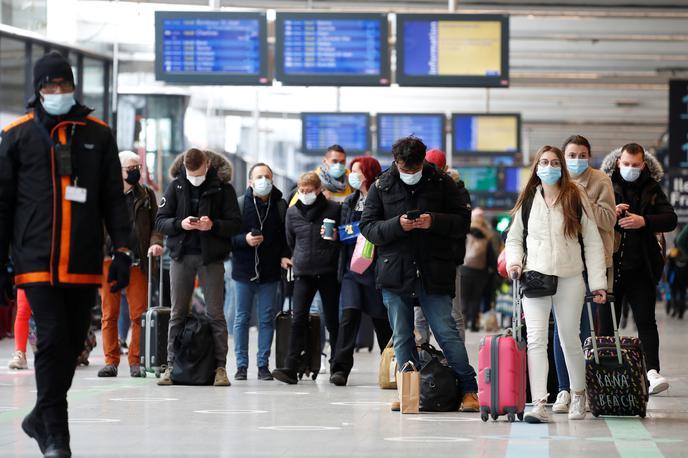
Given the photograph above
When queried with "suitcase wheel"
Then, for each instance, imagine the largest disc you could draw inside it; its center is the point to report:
(314, 376)
(495, 416)
(370, 349)
(511, 417)
(520, 416)
(484, 415)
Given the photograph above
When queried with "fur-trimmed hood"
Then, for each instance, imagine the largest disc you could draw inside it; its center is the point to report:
(218, 161)
(653, 166)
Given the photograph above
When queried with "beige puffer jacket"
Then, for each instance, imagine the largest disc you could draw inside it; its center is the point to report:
(549, 251)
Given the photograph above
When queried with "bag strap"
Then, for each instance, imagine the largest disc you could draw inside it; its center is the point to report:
(240, 201)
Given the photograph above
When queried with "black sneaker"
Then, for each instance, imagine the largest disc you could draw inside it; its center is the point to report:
(264, 373)
(34, 428)
(285, 376)
(135, 371)
(108, 371)
(240, 374)
(338, 378)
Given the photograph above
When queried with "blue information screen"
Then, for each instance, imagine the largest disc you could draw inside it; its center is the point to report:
(489, 134)
(321, 130)
(211, 46)
(429, 128)
(332, 46)
(512, 179)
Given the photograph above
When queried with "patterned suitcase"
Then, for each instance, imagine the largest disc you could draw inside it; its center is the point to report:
(154, 329)
(502, 364)
(615, 372)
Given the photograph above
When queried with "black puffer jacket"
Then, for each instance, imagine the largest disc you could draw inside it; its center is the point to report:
(218, 202)
(311, 254)
(431, 255)
(55, 240)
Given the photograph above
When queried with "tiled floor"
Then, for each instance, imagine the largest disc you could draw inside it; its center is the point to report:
(134, 417)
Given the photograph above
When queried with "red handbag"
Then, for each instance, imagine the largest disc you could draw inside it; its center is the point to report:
(501, 265)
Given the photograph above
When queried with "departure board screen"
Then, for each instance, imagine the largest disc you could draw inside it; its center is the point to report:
(332, 49)
(350, 130)
(479, 179)
(489, 134)
(211, 48)
(393, 126)
(453, 50)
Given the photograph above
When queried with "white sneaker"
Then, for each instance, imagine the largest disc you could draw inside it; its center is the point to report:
(18, 361)
(537, 414)
(578, 402)
(561, 405)
(324, 364)
(657, 382)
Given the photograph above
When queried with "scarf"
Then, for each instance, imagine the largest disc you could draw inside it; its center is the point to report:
(331, 184)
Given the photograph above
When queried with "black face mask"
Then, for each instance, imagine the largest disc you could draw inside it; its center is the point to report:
(133, 177)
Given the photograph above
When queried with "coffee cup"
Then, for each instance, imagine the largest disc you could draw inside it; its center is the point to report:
(328, 229)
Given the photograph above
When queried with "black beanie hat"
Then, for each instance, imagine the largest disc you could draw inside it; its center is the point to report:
(50, 66)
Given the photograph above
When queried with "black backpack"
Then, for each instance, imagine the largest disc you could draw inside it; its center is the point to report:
(194, 352)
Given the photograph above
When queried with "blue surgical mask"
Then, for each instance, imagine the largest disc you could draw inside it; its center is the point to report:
(58, 104)
(262, 186)
(355, 180)
(336, 170)
(576, 166)
(411, 178)
(549, 175)
(630, 174)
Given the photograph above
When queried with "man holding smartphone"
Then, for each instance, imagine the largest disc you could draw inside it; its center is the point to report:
(199, 215)
(415, 217)
(259, 250)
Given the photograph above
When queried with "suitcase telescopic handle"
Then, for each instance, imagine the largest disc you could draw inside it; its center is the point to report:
(617, 339)
(150, 281)
(516, 324)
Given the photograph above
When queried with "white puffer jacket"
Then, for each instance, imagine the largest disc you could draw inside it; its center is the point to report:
(552, 253)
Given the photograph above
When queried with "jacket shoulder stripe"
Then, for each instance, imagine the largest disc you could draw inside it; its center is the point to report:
(18, 122)
(97, 121)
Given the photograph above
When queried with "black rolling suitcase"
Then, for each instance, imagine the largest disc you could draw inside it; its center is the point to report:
(154, 327)
(615, 372)
(366, 333)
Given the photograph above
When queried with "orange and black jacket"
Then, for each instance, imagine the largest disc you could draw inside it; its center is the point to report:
(54, 240)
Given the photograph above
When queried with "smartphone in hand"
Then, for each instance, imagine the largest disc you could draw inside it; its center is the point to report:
(256, 232)
(413, 214)
(194, 219)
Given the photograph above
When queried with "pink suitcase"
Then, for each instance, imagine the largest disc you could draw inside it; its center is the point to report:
(502, 370)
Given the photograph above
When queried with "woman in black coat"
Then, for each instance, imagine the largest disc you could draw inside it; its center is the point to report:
(358, 290)
(314, 262)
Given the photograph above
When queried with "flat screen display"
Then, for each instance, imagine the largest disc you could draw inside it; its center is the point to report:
(427, 127)
(332, 49)
(480, 179)
(489, 134)
(211, 48)
(349, 130)
(458, 50)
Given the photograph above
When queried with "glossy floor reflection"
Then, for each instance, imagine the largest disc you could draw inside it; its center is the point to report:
(135, 418)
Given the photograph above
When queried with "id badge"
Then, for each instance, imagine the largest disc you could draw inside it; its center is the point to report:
(75, 194)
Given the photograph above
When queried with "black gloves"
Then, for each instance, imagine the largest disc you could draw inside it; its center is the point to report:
(119, 271)
(6, 292)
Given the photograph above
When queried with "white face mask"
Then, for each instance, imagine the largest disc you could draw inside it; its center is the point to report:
(630, 174)
(307, 198)
(411, 178)
(262, 186)
(58, 104)
(195, 181)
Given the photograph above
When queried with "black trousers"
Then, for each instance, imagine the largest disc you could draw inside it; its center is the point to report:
(348, 331)
(62, 315)
(305, 288)
(640, 292)
(473, 284)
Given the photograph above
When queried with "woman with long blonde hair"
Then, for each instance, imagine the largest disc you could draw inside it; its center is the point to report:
(550, 246)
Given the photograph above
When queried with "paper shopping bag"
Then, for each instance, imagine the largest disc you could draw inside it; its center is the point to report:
(408, 385)
(364, 252)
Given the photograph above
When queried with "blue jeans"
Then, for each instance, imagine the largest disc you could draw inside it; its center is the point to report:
(245, 292)
(559, 361)
(229, 306)
(124, 322)
(437, 309)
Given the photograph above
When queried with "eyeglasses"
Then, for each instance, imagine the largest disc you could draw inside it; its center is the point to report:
(132, 168)
(547, 162)
(54, 87)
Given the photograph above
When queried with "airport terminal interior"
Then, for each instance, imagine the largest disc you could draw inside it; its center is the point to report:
(487, 82)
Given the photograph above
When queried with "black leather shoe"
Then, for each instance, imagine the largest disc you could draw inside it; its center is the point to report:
(285, 376)
(264, 373)
(240, 374)
(108, 371)
(338, 378)
(34, 428)
(135, 371)
(58, 447)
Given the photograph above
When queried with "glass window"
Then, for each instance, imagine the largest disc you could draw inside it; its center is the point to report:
(93, 89)
(12, 75)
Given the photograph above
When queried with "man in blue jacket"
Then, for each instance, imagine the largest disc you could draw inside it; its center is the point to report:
(259, 251)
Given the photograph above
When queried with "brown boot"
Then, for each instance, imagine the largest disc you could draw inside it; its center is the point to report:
(396, 406)
(470, 403)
